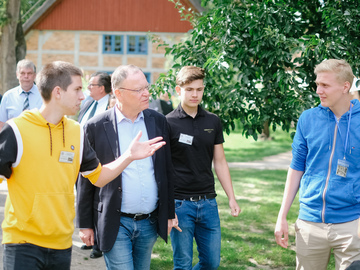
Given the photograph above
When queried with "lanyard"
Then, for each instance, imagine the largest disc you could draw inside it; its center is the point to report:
(348, 129)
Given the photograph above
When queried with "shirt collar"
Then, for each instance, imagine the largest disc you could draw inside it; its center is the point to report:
(20, 90)
(183, 114)
(120, 117)
(103, 100)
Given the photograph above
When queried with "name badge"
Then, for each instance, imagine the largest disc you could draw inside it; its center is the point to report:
(187, 139)
(342, 167)
(66, 157)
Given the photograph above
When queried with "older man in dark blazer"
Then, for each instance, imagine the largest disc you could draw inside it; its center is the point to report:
(98, 100)
(137, 206)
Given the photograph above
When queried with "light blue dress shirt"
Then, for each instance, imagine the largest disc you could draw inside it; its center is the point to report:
(139, 188)
(13, 100)
(101, 107)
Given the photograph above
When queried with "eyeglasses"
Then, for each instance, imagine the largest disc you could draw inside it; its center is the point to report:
(137, 91)
(93, 84)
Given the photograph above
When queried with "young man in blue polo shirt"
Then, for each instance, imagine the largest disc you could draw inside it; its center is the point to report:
(196, 140)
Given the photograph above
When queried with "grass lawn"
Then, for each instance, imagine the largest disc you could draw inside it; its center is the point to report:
(240, 149)
(248, 240)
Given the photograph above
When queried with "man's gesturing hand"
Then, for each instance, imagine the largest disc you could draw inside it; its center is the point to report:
(139, 150)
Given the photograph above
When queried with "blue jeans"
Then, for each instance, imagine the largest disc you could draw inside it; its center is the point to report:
(200, 220)
(28, 256)
(133, 245)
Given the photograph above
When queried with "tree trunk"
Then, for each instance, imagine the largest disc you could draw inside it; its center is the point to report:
(265, 135)
(20, 51)
(8, 45)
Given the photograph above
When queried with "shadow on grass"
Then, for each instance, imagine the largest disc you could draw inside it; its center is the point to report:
(248, 240)
(251, 154)
(251, 235)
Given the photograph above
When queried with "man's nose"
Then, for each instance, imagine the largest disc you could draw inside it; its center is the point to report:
(146, 92)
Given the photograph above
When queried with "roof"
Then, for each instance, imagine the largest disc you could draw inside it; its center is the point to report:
(115, 16)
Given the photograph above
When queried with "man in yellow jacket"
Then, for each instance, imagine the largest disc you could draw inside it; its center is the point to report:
(41, 154)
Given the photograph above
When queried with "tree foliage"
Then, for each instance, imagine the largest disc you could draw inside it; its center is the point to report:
(259, 56)
(12, 40)
(8, 44)
(28, 7)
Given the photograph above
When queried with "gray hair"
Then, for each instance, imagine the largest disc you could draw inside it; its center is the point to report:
(121, 73)
(25, 63)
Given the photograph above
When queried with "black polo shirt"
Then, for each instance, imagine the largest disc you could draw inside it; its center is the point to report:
(192, 143)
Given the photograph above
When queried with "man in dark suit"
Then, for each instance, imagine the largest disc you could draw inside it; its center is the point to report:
(98, 100)
(138, 205)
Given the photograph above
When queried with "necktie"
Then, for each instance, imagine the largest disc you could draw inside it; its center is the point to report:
(93, 110)
(26, 101)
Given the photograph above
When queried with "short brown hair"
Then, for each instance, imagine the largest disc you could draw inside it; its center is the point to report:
(57, 73)
(188, 74)
(342, 69)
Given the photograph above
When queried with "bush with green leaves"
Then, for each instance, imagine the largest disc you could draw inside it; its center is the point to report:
(259, 56)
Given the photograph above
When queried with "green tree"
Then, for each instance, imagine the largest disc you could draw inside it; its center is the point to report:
(12, 40)
(259, 56)
(9, 19)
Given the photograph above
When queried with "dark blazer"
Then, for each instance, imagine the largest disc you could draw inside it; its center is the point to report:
(102, 206)
(87, 103)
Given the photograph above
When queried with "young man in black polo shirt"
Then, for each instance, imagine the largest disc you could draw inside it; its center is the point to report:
(196, 140)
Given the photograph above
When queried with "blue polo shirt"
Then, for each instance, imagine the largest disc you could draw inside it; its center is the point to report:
(192, 142)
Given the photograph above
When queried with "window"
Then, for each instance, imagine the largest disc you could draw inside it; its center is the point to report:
(137, 45)
(113, 44)
(108, 72)
(148, 76)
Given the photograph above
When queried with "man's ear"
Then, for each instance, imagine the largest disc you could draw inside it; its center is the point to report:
(178, 89)
(117, 93)
(56, 92)
(347, 87)
(103, 89)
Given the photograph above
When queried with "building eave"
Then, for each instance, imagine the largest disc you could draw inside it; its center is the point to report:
(40, 12)
(197, 5)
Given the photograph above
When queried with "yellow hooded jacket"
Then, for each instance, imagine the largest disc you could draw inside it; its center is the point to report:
(42, 165)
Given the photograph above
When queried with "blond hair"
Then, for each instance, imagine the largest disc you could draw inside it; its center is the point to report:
(341, 68)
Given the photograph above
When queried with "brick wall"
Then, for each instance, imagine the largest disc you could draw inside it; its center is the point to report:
(85, 50)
